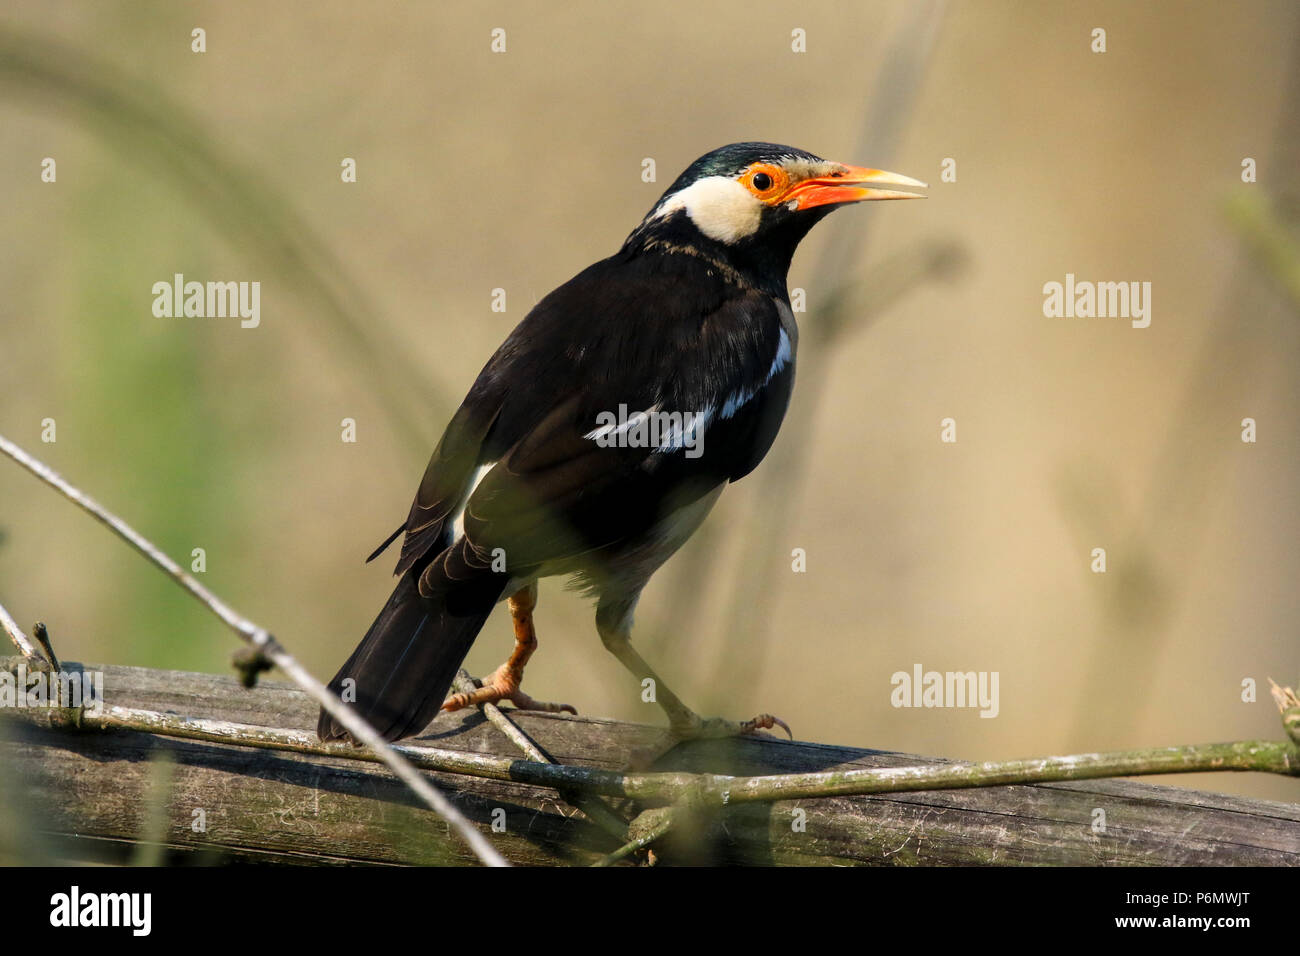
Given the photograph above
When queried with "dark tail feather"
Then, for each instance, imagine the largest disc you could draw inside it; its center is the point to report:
(387, 541)
(405, 664)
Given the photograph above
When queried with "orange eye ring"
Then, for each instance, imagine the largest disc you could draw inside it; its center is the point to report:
(765, 181)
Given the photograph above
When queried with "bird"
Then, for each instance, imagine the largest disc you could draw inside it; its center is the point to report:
(599, 435)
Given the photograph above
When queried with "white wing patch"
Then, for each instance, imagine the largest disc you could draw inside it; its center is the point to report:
(616, 428)
(682, 435)
(458, 521)
(677, 432)
(739, 397)
(669, 431)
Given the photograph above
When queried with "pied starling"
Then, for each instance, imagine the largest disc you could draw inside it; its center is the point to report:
(599, 435)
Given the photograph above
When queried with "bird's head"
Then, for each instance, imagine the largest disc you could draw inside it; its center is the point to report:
(749, 205)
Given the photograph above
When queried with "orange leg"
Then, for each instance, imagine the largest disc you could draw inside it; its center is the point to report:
(505, 680)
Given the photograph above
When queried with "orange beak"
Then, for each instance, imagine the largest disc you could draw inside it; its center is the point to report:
(854, 184)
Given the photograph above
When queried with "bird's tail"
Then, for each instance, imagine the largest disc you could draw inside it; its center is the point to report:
(403, 668)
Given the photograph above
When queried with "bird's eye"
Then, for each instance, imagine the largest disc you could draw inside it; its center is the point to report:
(762, 182)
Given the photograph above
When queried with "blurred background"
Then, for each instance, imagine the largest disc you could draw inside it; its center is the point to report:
(479, 170)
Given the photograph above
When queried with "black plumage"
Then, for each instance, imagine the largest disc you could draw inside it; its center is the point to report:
(676, 321)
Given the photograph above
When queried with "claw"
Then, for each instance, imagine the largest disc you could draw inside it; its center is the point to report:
(766, 722)
(524, 702)
(503, 685)
(505, 680)
(694, 727)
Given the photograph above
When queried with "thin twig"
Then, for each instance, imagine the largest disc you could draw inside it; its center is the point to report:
(718, 790)
(1288, 704)
(464, 684)
(644, 830)
(593, 807)
(261, 639)
(42, 635)
(20, 638)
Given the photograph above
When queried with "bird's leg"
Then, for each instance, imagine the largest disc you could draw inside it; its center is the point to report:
(505, 680)
(683, 722)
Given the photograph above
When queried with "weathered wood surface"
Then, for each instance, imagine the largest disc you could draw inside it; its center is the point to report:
(92, 795)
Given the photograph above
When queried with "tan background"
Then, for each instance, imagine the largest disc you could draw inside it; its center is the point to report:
(479, 171)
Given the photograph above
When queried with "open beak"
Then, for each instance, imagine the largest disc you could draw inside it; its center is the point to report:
(853, 184)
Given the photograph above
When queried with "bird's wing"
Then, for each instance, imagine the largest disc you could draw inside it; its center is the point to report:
(643, 335)
(559, 493)
(446, 480)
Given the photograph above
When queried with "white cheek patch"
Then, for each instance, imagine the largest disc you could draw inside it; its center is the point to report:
(721, 208)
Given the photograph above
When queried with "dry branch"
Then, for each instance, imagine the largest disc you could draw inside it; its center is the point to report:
(320, 803)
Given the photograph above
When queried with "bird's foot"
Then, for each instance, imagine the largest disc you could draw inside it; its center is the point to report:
(504, 685)
(695, 727)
